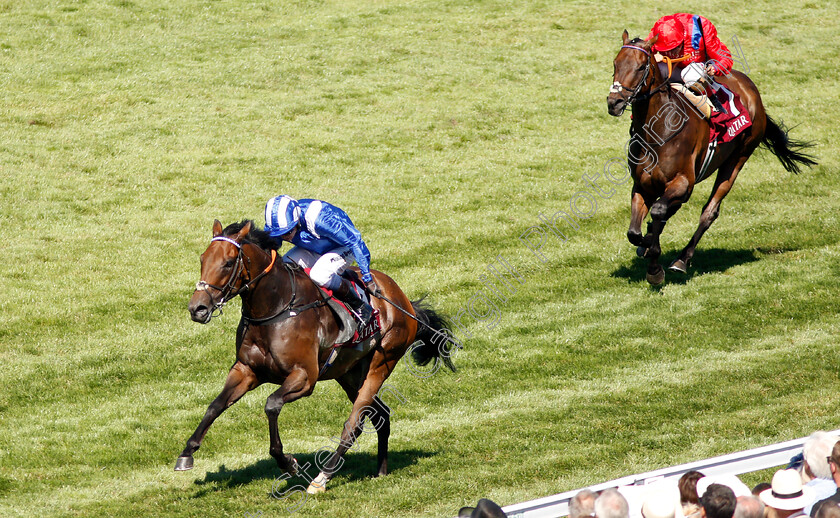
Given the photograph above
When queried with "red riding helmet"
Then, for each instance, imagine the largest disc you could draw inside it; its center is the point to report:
(671, 33)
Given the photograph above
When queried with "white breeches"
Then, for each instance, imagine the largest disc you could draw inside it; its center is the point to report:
(326, 269)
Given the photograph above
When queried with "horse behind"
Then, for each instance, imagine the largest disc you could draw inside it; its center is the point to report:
(665, 157)
(284, 337)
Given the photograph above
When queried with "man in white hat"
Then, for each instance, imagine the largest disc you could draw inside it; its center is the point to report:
(787, 495)
(659, 505)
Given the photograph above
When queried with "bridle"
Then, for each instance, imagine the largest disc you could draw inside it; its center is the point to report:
(227, 291)
(618, 87)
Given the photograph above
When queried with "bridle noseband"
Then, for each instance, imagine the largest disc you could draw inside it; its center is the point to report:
(226, 291)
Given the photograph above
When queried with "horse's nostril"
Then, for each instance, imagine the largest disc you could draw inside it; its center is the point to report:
(199, 312)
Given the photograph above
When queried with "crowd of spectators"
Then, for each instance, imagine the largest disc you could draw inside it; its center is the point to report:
(808, 487)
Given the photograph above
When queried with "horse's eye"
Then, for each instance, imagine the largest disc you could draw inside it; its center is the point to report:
(229, 264)
(642, 67)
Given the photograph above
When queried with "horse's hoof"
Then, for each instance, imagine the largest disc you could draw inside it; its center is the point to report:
(679, 266)
(292, 465)
(184, 464)
(656, 278)
(641, 251)
(318, 485)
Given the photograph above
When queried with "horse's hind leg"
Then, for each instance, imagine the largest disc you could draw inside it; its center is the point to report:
(726, 176)
(240, 380)
(379, 413)
(366, 403)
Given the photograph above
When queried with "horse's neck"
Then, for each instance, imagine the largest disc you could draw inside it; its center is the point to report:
(644, 111)
(275, 290)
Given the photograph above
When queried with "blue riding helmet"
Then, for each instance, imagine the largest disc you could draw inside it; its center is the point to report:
(282, 214)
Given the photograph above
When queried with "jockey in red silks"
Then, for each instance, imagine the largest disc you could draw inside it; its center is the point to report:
(692, 41)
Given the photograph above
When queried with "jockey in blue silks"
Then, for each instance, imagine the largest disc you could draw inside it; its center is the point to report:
(326, 241)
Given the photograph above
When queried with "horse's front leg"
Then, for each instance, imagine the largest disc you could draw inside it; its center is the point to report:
(239, 381)
(676, 193)
(638, 212)
(298, 384)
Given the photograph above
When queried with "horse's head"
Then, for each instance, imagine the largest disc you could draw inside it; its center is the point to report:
(634, 70)
(222, 272)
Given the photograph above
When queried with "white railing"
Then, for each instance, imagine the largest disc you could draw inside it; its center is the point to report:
(733, 464)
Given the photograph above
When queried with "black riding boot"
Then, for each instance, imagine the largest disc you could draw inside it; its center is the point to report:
(712, 94)
(345, 293)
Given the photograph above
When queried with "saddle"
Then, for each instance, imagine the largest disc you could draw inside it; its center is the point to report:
(723, 125)
(350, 334)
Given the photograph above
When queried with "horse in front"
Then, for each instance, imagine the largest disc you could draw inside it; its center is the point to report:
(286, 336)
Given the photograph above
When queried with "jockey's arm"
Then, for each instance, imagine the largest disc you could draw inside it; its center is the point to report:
(337, 227)
(716, 50)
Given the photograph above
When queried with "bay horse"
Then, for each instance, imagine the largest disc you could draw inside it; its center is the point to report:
(664, 161)
(285, 335)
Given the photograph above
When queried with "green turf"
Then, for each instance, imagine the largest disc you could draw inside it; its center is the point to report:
(444, 129)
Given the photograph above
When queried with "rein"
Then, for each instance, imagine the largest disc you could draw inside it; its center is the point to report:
(289, 310)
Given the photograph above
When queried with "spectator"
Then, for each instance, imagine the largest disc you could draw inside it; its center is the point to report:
(834, 467)
(730, 481)
(749, 507)
(484, 509)
(828, 511)
(814, 469)
(761, 486)
(718, 501)
(688, 492)
(787, 496)
(611, 504)
(659, 505)
(582, 505)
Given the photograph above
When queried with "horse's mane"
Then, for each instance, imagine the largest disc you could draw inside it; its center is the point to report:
(255, 235)
(635, 41)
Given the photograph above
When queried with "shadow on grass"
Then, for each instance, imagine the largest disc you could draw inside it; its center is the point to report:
(357, 466)
(713, 260)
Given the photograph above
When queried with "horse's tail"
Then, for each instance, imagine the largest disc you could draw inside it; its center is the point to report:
(788, 151)
(434, 342)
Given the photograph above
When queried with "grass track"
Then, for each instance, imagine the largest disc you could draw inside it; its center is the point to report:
(444, 129)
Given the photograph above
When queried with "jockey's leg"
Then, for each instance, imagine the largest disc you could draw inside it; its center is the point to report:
(327, 271)
(301, 257)
(346, 292)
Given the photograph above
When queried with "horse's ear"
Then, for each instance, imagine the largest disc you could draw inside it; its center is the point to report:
(649, 43)
(625, 37)
(242, 234)
(217, 228)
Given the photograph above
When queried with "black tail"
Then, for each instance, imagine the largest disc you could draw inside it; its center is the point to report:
(432, 345)
(788, 151)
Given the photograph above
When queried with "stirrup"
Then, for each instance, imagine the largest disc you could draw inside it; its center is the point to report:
(717, 104)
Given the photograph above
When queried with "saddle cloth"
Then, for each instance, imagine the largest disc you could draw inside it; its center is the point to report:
(723, 126)
(727, 126)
